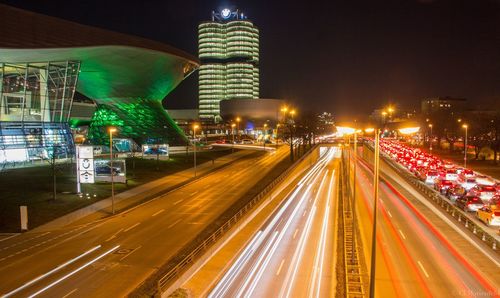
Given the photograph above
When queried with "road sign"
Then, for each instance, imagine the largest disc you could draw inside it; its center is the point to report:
(85, 169)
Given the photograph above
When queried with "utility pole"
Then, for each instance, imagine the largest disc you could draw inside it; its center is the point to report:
(375, 199)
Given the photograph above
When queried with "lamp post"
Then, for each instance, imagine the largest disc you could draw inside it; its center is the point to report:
(375, 199)
(232, 132)
(111, 131)
(238, 119)
(277, 135)
(292, 113)
(264, 137)
(194, 145)
(465, 145)
(430, 138)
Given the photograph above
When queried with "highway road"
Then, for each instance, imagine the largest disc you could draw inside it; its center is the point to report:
(292, 255)
(111, 257)
(420, 253)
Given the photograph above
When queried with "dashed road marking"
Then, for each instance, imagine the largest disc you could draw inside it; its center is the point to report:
(402, 235)
(423, 269)
(131, 227)
(158, 212)
(279, 268)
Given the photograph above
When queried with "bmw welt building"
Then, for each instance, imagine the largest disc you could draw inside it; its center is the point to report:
(44, 60)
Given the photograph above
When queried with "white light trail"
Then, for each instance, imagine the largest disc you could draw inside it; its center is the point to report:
(50, 272)
(74, 272)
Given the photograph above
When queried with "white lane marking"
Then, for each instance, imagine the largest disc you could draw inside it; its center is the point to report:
(177, 202)
(114, 235)
(402, 235)
(174, 223)
(193, 193)
(24, 241)
(389, 212)
(137, 248)
(51, 271)
(281, 266)
(74, 271)
(67, 295)
(158, 212)
(304, 214)
(423, 269)
(295, 234)
(130, 228)
(6, 238)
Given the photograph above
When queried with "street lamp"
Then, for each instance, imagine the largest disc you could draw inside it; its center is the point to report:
(292, 113)
(277, 135)
(264, 137)
(232, 132)
(375, 199)
(430, 138)
(111, 131)
(194, 145)
(465, 145)
(238, 119)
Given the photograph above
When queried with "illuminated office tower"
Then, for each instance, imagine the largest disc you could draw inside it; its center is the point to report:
(228, 48)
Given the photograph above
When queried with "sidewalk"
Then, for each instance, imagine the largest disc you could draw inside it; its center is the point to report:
(140, 194)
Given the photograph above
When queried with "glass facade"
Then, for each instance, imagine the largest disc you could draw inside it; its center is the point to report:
(229, 52)
(35, 107)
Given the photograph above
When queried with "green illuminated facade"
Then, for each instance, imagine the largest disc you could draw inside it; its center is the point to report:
(228, 47)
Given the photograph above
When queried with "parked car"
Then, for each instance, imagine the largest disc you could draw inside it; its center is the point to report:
(246, 141)
(456, 192)
(485, 192)
(491, 217)
(469, 203)
(221, 141)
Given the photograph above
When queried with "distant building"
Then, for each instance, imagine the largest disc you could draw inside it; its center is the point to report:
(228, 48)
(253, 112)
(443, 104)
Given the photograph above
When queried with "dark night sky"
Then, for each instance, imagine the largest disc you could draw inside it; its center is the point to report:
(341, 56)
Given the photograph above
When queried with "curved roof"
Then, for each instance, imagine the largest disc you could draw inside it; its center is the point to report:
(41, 31)
(113, 65)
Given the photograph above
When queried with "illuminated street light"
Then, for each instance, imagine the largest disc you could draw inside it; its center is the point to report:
(264, 137)
(232, 132)
(195, 126)
(111, 131)
(409, 130)
(430, 138)
(238, 119)
(465, 145)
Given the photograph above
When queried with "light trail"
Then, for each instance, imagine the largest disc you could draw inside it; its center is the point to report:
(251, 272)
(73, 272)
(50, 272)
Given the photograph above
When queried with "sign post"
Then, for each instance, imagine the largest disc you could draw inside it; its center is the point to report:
(24, 218)
(85, 166)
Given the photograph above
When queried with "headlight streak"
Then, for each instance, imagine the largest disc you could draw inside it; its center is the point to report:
(259, 267)
(282, 234)
(299, 252)
(318, 273)
(50, 272)
(228, 278)
(74, 272)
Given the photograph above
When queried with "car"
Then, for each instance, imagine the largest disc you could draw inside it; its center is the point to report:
(467, 182)
(153, 150)
(491, 217)
(451, 175)
(221, 141)
(469, 203)
(456, 192)
(246, 141)
(485, 192)
(442, 185)
(106, 170)
(430, 176)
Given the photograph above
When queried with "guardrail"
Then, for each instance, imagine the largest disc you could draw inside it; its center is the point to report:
(196, 253)
(442, 202)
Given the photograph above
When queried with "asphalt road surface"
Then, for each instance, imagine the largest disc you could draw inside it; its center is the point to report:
(420, 254)
(111, 257)
(292, 255)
